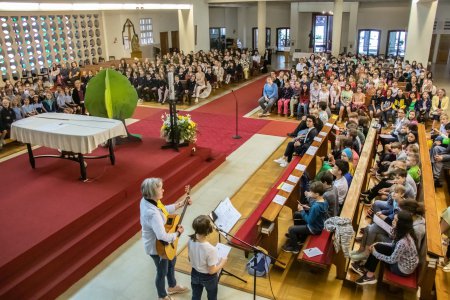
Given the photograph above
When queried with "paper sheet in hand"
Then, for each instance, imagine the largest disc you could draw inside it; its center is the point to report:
(279, 199)
(318, 139)
(311, 150)
(227, 215)
(385, 226)
(311, 252)
(222, 250)
(300, 167)
(293, 179)
(386, 136)
(287, 187)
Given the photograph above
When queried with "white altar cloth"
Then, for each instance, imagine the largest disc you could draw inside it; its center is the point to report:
(67, 132)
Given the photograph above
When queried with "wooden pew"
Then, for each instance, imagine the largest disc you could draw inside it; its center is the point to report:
(349, 210)
(431, 249)
(250, 231)
(271, 213)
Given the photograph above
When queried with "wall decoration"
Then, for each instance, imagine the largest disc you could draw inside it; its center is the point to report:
(32, 42)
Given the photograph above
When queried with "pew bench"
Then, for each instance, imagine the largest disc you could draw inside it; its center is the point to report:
(249, 231)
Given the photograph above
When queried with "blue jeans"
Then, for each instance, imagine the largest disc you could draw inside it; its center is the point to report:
(164, 268)
(302, 107)
(209, 281)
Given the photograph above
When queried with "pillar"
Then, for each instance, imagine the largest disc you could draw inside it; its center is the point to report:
(186, 30)
(352, 27)
(261, 27)
(337, 27)
(420, 30)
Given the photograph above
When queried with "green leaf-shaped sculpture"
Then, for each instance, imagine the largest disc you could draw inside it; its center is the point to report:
(109, 94)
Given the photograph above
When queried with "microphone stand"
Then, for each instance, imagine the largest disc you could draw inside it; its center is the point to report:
(255, 250)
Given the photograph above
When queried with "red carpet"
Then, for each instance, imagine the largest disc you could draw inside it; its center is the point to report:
(54, 229)
(278, 128)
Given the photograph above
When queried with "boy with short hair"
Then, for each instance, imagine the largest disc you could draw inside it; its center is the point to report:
(339, 169)
(311, 222)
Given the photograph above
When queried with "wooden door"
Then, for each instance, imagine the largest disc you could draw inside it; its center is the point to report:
(175, 39)
(164, 41)
(443, 48)
(433, 42)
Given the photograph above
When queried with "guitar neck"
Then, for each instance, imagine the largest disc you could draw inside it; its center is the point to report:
(184, 210)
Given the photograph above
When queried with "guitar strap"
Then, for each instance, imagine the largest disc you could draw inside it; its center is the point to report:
(159, 205)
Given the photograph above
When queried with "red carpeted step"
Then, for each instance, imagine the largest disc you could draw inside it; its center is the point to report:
(68, 254)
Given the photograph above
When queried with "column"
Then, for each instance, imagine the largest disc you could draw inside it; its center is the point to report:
(261, 27)
(420, 30)
(337, 27)
(352, 32)
(186, 30)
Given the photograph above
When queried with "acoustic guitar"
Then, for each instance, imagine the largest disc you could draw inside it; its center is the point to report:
(169, 250)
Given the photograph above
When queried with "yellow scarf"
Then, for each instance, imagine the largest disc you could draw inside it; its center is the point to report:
(162, 208)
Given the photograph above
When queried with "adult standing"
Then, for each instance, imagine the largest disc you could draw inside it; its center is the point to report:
(439, 104)
(78, 94)
(270, 96)
(153, 217)
(200, 82)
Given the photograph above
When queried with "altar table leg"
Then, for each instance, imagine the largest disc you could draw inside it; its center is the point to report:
(30, 155)
(112, 157)
(82, 166)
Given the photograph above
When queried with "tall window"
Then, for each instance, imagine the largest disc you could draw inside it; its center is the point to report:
(283, 38)
(396, 43)
(322, 32)
(369, 41)
(217, 37)
(255, 37)
(146, 27)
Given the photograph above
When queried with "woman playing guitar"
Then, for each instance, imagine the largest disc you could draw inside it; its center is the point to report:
(153, 218)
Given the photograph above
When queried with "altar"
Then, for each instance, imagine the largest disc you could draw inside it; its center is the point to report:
(73, 135)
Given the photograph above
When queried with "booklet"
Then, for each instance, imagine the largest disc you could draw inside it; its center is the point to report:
(311, 252)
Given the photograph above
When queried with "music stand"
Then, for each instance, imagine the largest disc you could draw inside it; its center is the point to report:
(223, 271)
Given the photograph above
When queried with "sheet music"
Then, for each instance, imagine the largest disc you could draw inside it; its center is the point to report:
(311, 252)
(322, 133)
(311, 150)
(385, 226)
(318, 139)
(300, 167)
(227, 215)
(287, 187)
(293, 179)
(279, 199)
(222, 250)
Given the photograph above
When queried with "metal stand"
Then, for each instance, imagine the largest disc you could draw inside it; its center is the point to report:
(225, 272)
(255, 250)
(174, 138)
(236, 136)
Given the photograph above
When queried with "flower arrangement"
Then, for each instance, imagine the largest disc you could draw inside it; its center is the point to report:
(186, 127)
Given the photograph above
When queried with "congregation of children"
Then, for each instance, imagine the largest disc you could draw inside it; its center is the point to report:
(400, 95)
(64, 88)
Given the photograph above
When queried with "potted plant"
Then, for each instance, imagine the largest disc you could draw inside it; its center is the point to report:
(187, 128)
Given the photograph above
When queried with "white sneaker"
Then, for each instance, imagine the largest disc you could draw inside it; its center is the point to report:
(279, 160)
(284, 164)
(196, 100)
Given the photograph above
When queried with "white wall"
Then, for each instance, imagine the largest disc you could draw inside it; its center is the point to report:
(113, 24)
